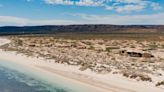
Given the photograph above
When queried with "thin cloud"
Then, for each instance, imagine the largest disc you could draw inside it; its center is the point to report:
(116, 5)
(154, 19)
(17, 21)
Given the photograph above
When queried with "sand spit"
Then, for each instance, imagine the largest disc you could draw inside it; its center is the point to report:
(89, 79)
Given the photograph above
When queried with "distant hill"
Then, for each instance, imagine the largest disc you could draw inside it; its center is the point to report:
(53, 29)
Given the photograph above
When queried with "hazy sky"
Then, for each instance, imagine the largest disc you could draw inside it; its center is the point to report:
(56, 12)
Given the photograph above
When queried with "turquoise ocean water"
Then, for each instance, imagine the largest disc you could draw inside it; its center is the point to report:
(13, 81)
(17, 78)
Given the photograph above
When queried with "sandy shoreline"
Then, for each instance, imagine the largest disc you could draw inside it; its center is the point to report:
(97, 82)
(73, 76)
(41, 67)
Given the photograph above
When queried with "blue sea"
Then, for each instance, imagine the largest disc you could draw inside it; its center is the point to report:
(17, 78)
(13, 81)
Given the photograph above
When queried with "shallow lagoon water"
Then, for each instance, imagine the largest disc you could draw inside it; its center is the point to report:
(17, 78)
(13, 81)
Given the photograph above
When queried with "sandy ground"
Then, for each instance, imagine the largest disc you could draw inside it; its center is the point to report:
(97, 82)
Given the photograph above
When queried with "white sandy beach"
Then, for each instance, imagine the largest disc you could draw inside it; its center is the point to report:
(87, 79)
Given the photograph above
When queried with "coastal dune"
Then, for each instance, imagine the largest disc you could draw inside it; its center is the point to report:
(54, 73)
(69, 76)
(39, 68)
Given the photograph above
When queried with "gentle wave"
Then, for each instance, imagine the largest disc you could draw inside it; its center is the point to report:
(13, 81)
